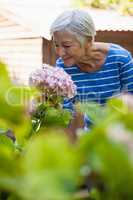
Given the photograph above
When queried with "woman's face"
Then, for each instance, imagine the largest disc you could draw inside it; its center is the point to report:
(68, 47)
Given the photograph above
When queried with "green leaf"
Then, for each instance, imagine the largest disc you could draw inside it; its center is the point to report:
(48, 116)
(54, 170)
(5, 141)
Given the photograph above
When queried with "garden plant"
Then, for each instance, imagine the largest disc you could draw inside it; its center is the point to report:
(38, 159)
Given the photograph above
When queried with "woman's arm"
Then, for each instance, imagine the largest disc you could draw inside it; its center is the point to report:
(126, 73)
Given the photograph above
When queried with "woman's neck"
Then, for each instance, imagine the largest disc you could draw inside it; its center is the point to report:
(94, 57)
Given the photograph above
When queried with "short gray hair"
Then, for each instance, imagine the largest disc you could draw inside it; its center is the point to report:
(78, 22)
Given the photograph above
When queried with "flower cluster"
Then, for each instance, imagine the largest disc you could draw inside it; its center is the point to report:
(54, 85)
(53, 80)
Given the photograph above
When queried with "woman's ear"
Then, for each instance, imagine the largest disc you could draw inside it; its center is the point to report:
(89, 41)
(89, 38)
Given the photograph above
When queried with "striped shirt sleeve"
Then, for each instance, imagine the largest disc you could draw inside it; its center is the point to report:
(126, 74)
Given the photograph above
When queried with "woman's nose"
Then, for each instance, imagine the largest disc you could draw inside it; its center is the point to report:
(60, 51)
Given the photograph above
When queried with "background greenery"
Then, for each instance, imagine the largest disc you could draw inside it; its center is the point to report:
(47, 165)
(124, 7)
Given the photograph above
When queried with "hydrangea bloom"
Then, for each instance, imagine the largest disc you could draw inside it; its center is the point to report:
(53, 80)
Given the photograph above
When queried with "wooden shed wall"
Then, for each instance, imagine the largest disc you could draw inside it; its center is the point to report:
(124, 38)
(22, 56)
(49, 55)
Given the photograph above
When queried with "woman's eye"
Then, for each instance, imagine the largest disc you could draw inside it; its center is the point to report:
(64, 46)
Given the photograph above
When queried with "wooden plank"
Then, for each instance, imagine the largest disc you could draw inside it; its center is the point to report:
(123, 38)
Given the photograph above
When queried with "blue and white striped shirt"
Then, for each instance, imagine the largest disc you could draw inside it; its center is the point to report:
(115, 76)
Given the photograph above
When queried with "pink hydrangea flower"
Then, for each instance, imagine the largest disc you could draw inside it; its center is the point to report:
(53, 80)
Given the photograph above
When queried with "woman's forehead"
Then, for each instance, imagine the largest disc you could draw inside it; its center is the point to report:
(64, 36)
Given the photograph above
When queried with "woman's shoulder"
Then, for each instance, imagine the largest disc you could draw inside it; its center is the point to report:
(117, 49)
(113, 46)
(112, 49)
(118, 54)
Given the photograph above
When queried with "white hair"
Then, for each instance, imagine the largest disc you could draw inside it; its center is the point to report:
(77, 22)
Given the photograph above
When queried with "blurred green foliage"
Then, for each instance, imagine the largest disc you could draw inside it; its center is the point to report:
(124, 7)
(46, 115)
(48, 166)
(40, 166)
(106, 156)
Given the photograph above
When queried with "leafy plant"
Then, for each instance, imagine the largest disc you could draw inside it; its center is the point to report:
(53, 85)
(53, 172)
(47, 165)
(121, 6)
(107, 147)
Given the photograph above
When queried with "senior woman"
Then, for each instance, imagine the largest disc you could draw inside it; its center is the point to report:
(100, 70)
